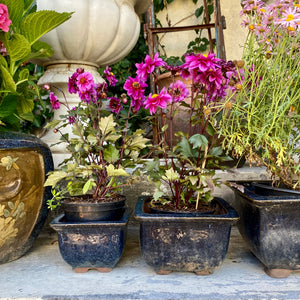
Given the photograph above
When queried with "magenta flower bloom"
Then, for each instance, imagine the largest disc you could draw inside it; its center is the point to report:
(135, 88)
(146, 68)
(115, 105)
(158, 100)
(72, 84)
(4, 18)
(88, 96)
(85, 82)
(110, 77)
(178, 91)
(201, 63)
(54, 102)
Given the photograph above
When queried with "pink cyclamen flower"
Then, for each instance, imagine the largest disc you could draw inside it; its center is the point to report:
(54, 102)
(85, 82)
(110, 77)
(4, 18)
(178, 91)
(135, 88)
(115, 105)
(146, 68)
(158, 100)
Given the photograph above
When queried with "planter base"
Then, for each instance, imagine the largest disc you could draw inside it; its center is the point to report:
(84, 270)
(186, 242)
(91, 245)
(278, 273)
(270, 226)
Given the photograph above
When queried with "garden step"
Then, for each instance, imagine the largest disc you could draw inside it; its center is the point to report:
(42, 274)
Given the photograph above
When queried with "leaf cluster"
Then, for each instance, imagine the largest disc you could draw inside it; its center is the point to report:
(18, 90)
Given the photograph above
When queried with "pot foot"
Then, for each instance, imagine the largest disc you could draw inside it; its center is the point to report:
(278, 273)
(163, 272)
(202, 273)
(84, 270)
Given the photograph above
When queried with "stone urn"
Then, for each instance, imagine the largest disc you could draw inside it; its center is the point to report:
(99, 33)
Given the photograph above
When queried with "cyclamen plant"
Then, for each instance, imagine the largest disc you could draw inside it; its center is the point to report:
(186, 166)
(101, 148)
(263, 122)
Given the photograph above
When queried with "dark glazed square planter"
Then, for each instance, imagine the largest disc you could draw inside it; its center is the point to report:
(270, 225)
(189, 242)
(91, 245)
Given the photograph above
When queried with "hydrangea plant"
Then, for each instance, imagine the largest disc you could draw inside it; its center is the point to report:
(21, 27)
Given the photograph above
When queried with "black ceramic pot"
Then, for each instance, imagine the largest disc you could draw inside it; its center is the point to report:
(270, 225)
(23, 198)
(91, 245)
(189, 242)
(86, 211)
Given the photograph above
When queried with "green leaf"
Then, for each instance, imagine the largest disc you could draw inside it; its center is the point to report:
(198, 140)
(185, 148)
(15, 10)
(8, 105)
(36, 24)
(23, 75)
(216, 151)
(55, 177)
(9, 82)
(52, 124)
(111, 154)
(199, 11)
(88, 186)
(111, 171)
(3, 61)
(107, 125)
(25, 105)
(171, 175)
(157, 195)
(18, 47)
(92, 139)
(29, 116)
(41, 50)
(152, 165)
(193, 179)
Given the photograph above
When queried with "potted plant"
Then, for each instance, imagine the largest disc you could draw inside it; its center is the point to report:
(181, 221)
(102, 149)
(263, 123)
(23, 206)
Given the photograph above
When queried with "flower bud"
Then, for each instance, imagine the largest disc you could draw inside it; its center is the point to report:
(240, 64)
(46, 87)
(55, 130)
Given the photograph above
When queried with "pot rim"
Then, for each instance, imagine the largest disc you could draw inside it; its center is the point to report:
(242, 188)
(230, 215)
(58, 224)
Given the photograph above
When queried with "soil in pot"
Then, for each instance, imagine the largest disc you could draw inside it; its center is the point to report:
(87, 209)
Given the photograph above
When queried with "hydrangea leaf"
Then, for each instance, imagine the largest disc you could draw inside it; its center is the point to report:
(36, 24)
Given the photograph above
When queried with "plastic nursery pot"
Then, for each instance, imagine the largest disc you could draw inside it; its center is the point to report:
(270, 225)
(23, 198)
(88, 211)
(91, 245)
(187, 242)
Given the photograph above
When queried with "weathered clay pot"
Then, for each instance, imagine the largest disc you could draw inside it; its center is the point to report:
(23, 207)
(187, 242)
(270, 225)
(91, 245)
